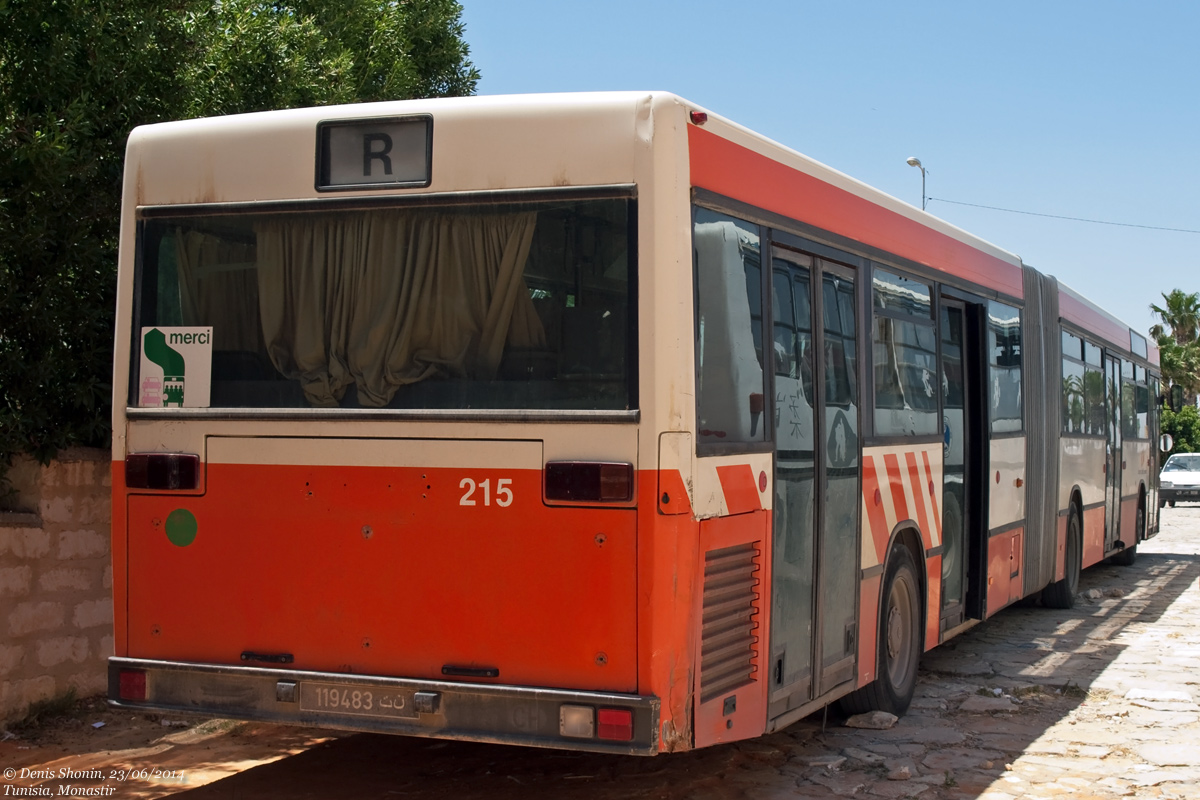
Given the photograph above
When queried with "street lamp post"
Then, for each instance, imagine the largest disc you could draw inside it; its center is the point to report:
(913, 161)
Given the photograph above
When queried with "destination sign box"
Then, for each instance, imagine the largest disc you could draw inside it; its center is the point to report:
(386, 152)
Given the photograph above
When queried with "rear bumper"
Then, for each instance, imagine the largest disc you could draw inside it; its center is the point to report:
(439, 709)
(1189, 495)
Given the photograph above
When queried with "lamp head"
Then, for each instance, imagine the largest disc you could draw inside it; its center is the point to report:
(913, 161)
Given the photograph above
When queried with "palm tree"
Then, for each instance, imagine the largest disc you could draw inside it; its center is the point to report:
(1178, 338)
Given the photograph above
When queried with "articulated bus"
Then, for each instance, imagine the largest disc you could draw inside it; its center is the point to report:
(582, 421)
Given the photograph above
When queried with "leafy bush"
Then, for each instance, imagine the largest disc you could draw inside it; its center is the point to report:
(1184, 428)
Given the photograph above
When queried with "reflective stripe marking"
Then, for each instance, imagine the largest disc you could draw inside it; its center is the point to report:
(739, 487)
(902, 477)
(896, 480)
(934, 498)
(918, 490)
(874, 517)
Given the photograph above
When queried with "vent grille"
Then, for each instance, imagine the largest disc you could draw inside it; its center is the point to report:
(728, 644)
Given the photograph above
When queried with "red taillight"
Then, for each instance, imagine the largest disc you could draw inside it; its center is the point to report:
(162, 471)
(614, 724)
(589, 482)
(133, 684)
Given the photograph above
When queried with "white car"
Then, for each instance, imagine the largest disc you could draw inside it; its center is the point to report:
(1179, 479)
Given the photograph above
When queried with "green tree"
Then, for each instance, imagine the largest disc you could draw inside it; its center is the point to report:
(1184, 428)
(1178, 339)
(76, 76)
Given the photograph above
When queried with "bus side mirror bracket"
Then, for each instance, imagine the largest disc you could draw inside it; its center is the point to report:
(1175, 398)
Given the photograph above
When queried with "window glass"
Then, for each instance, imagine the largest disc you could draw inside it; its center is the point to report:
(729, 383)
(1072, 346)
(905, 369)
(1004, 372)
(754, 296)
(514, 306)
(1182, 463)
(1127, 369)
(1137, 343)
(793, 361)
(783, 313)
(1091, 354)
(1142, 410)
(849, 330)
(1112, 382)
(793, 328)
(841, 357)
(900, 295)
(1093, 400)
(1128, 413)
(952, 366)
(1073, 409)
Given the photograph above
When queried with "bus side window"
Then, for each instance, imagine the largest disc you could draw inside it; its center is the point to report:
(1004, 367)
(729, 366)
(904, 356)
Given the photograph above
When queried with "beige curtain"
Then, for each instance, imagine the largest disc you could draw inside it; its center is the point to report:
(217, 287)
(381, 299)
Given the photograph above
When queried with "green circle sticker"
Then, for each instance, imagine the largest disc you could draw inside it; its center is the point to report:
(181, 527)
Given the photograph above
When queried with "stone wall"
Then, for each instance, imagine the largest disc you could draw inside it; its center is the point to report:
(56, 608)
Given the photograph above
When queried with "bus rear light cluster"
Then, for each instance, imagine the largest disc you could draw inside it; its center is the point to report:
(133, 684)
(169, 471)
(585, 722)
(589, 482)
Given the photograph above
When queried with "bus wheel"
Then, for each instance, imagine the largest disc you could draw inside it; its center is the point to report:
(1061, 594)
(1126, 556)
(899, 646)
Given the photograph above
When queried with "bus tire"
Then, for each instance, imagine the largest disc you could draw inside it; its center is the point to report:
(1061, 594)
(1128, 554)
(899, 643)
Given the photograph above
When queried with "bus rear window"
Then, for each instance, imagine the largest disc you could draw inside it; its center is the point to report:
(518, 306)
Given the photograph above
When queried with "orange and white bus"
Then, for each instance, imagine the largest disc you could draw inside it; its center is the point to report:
(588, 421)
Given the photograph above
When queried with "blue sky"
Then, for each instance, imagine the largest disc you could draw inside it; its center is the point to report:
(1080, 109)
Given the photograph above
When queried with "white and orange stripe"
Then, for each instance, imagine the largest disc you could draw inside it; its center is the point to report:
(727, 485)
(900, 482)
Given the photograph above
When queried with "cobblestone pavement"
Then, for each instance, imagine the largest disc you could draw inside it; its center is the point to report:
(1096, 702)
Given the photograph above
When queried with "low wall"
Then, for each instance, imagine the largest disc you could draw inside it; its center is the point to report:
(56, 607)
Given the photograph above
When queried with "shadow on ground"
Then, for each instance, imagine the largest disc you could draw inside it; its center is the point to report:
(952, 752)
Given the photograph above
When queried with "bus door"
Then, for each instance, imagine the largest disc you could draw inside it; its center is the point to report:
(815, 561)
(1112, 460)
(964, 460)
(963, 367)
(955, 446)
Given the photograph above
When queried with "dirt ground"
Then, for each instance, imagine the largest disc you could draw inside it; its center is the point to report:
(94, 747)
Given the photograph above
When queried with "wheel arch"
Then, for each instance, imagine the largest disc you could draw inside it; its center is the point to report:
(908, 533)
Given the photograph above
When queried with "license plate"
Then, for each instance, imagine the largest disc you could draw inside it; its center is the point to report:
(356, 700)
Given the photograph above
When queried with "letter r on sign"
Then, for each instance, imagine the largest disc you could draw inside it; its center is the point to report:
(370, 153)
